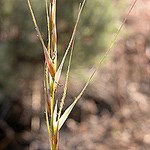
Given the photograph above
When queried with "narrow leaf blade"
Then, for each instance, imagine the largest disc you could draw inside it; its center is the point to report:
(65, 115)
(59, 71)
(69, 109)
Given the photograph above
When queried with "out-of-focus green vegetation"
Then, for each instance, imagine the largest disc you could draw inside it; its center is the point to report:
(20, 50)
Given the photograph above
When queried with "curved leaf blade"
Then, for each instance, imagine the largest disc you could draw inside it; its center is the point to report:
(70, 108)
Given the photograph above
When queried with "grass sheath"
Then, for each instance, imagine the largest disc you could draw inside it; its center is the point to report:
(54, 117)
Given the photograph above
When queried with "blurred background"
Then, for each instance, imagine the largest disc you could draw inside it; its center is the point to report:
(113, 113)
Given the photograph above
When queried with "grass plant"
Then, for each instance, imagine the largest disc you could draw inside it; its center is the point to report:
(54, 117)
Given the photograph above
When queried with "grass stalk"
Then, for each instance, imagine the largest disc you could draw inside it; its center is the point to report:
(56, 120)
